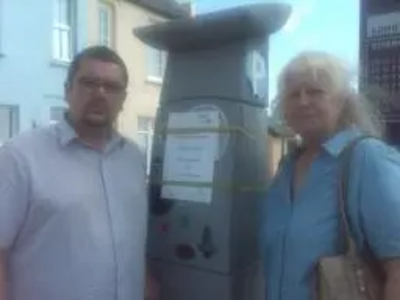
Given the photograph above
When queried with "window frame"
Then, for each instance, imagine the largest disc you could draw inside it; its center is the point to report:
(290, 145)
(14, 120)
(110, 12)
(147, 134)
(155, 56)
(156, 64)
(159, 58)
(1, 27)
(59, 28)
(53, 110)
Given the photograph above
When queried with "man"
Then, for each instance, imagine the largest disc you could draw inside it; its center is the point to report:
(73, 207)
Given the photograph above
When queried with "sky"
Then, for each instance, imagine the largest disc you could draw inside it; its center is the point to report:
(328, 25)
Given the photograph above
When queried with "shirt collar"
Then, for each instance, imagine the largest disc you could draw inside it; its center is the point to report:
(67, 135)
(65, 131)
(336, 144)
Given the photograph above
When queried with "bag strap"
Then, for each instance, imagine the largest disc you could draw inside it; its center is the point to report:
(345, 159)
(348, 241)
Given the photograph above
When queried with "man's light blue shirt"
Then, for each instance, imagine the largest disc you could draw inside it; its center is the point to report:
(295, 234)
(72, 219)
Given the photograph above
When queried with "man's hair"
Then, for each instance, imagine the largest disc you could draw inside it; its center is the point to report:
(101, 53)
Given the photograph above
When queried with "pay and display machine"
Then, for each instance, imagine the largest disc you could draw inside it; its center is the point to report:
(209, 159)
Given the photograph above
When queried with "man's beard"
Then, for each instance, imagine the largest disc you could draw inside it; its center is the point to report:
(98, 122)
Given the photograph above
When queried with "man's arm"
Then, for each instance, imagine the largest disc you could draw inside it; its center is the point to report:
(3, 277)
(151, 288)
(14, 194)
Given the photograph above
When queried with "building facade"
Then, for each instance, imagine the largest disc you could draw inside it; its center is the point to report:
(36, 44)
(111, 23)
(189, 5)
(279, 144)
(380, 62)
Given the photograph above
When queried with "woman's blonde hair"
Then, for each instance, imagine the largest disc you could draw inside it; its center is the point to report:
(334, 75)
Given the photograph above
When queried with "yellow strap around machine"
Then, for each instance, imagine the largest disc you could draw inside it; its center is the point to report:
(199, 130)
(216, 185)
(213, 185)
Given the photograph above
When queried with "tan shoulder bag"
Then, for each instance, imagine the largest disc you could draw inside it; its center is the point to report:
(353, 275)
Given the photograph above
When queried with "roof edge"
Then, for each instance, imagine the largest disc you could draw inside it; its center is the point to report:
(169, 11)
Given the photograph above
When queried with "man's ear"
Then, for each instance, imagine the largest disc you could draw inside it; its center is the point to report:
(124, 96)
(67, 86)
(123, 101)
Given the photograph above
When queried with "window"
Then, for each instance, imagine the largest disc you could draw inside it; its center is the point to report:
(57, 114)
(62, 30)
(1, 27)
(145, 129)
(157, 61)
(9, 122)
(289, 145)
(106, 22)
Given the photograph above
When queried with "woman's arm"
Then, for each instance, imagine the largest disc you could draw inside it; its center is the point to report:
(152, 289)
(392, 286)
(380, 208)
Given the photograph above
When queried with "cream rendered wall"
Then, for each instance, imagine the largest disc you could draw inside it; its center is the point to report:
(143, 94)
(276, 149)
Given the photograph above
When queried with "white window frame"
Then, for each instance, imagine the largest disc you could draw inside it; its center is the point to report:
(106, 39)
(54, 110)
(63, 29)
(159, 58)
(13, 111)
(1, 27)
(147, 134)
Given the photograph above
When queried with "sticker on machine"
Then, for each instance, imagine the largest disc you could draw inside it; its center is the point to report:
(189, 158)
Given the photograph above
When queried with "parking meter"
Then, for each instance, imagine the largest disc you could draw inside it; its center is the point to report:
(209, 164)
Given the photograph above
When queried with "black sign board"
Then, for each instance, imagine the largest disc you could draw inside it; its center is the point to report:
(380, 55)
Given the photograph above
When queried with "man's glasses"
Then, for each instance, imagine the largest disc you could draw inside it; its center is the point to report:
(109, 87)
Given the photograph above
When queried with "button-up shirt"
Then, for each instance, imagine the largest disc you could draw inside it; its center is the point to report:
(72, 219)
(298, 231)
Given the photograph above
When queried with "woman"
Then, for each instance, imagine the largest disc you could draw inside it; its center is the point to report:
(300, 214)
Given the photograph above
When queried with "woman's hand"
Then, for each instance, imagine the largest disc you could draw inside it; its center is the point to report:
(152, 291)
(392, 286)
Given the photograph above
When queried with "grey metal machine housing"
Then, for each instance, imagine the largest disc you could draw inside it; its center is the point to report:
(216, 63)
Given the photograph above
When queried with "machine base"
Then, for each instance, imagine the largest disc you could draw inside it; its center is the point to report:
(185, 283)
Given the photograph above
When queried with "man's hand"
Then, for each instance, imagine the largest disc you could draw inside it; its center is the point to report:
(3, 275)
(152, 291)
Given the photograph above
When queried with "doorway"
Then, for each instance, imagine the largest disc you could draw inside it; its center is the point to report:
(393, 133)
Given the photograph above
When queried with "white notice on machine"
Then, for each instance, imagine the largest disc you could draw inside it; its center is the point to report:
(189, 159)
